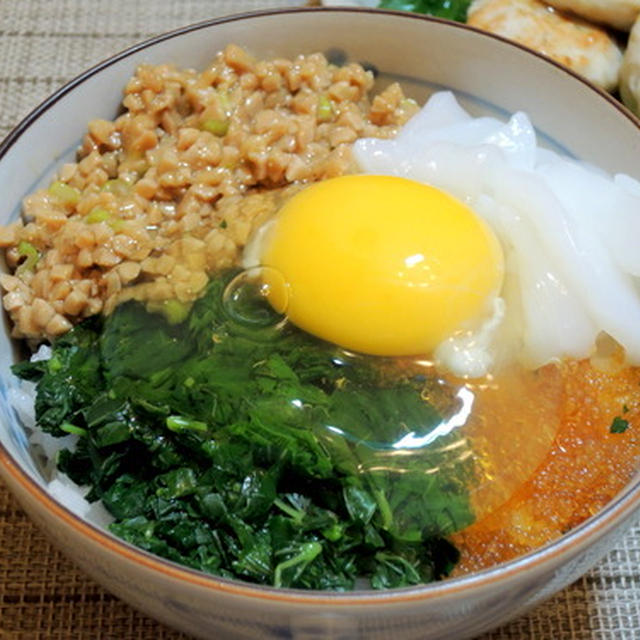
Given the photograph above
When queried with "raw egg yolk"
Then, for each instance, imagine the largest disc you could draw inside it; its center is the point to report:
(381, 265)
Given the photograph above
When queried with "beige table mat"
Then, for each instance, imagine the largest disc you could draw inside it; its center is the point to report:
(44, 43)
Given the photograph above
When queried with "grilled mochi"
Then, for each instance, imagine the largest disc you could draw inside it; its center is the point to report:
(585, 48)
(620, 14)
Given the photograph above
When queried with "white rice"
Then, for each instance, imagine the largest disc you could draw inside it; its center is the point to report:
(22, 397)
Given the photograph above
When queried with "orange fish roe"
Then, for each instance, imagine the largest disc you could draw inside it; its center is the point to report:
(585, 467)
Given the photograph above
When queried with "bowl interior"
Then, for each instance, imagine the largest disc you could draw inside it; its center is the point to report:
(423, 55)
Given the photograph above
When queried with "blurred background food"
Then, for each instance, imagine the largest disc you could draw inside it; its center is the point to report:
(595, 38)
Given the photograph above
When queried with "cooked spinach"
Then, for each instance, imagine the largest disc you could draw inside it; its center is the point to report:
(253, 452)
(450, 9)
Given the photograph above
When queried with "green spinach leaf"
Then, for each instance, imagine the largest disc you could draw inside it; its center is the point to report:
(450, 9)
(254, 452)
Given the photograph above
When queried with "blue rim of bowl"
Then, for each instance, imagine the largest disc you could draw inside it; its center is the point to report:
(615, 512)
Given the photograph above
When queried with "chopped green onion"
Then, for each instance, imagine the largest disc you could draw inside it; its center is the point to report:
(64, 193)
(217, 127)
(30, 254)
(54, 364)
(176, 311)
(408, 102)
(116, 186)
(71, 428)
(296, 514)
(324, 111)
(173, 310)
(334, 532)
(100, 214)
(225, 102)
(180, 423)
(97, 214)
(308, 552)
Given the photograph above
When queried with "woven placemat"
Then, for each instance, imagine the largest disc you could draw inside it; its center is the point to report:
(44, 43)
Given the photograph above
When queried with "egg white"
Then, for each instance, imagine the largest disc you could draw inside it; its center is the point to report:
(252, 253)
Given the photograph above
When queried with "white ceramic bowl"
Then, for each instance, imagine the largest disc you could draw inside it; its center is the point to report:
(489, 75)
